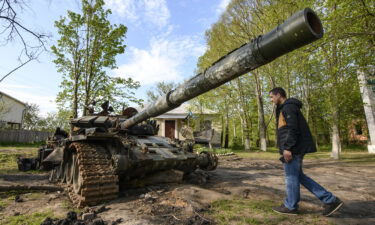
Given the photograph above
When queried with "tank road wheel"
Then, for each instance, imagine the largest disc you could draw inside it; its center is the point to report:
(53, 175)
(92, 179)
(77, 177)
(69, 169)
(56, 173)
(60, 172)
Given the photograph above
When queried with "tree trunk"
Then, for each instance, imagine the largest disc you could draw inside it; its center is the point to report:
(246, 136)
(226, 142)
(333, 68)
(368, 98)
(75, 97)
(336, 143)
(222, 132)
(249, 125)
(77, 74)
(247, 139)
(261, 122)
(246, 117)
(315, 133)
(87, 62)
(242, 133)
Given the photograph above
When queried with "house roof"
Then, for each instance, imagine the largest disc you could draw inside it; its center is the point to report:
(172, 116)
(2, 93)
(181, 112)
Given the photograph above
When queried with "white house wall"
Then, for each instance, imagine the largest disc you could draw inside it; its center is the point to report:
(178, 126)
(14, 110)
(161, 124)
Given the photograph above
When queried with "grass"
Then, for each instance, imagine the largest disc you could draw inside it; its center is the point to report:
(8, 197)
(8, 159)
(345, 148)
(355, 154)
(8, 163)
(28, 219)
(256, 211)
(4, 203)
(244, 211)
(68, 206)
(12, 145)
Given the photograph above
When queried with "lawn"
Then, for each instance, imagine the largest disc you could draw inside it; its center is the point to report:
(9, 155)
(11, 145)
(30, 219)
(350, 154)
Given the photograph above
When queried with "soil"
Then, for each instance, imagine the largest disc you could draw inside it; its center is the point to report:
(236, 177)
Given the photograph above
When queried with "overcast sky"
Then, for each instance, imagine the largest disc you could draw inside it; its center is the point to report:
(164, 40)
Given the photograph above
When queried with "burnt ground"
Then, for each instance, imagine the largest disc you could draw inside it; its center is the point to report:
(242, 180)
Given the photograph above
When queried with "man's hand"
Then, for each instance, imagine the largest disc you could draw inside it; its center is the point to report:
(287, 155)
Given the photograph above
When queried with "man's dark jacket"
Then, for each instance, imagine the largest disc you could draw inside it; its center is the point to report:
(293, 133)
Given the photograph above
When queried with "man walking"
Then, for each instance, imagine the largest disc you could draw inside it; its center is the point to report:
(295, 140)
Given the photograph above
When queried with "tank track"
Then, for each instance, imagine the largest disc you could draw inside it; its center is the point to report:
(97, 179)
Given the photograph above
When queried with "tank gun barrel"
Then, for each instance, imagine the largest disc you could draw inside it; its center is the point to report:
(300, 29)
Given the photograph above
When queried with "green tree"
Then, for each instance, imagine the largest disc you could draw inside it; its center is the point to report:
(60, 119)
(87, 48)
(160, 89)
(31, 120)
(4, 107)
(322, 75)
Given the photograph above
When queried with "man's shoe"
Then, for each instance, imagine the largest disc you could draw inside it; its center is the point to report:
(328, 209)
(284, 210)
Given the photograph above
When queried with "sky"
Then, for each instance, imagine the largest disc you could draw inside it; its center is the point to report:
(164, 40)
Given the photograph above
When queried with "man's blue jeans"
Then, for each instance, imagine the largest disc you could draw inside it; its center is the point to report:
(294, 176)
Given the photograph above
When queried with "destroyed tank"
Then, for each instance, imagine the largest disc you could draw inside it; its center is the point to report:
(104, 152)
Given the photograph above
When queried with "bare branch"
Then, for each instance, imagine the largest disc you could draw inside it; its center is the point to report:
(12, 30)
(13, 70)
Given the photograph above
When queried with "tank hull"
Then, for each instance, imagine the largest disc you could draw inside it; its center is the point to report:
(95, 167)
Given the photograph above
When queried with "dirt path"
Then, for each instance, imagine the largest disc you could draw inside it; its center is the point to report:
(353, 182)
(235, 178)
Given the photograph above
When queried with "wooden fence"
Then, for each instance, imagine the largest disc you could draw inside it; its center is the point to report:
(23, 136)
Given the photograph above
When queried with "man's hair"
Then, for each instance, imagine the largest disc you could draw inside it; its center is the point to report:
(278, 90)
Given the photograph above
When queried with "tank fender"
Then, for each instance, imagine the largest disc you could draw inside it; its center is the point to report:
(56, 156)
(121, 163)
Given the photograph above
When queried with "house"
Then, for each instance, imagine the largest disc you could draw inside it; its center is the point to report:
(358, 131)
(170, 123)
(12, 111)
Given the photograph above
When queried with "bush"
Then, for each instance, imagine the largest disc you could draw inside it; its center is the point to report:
(237, 144)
